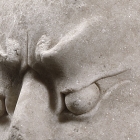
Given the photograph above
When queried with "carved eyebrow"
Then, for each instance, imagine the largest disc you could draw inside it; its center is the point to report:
(98, 77)
(74, 33)
(79, 29)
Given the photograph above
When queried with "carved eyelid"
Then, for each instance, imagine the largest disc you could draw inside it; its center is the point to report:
(97, 78)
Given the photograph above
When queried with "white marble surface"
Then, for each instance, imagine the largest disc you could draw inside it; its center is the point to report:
(69, 70)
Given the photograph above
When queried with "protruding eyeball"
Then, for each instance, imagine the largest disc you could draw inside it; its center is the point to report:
(2, 107)
(83, 101)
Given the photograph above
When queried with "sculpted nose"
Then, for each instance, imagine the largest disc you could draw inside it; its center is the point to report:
(32, 114)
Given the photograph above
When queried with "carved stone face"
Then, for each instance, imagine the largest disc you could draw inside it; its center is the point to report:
(69, 70)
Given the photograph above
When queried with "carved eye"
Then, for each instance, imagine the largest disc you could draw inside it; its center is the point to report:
(82, 101)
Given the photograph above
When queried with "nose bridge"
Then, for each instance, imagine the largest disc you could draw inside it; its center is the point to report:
(32, 114)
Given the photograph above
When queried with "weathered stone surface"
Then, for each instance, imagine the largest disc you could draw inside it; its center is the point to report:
(52, 52)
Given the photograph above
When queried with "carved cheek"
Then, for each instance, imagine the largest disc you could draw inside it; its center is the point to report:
(83, 101)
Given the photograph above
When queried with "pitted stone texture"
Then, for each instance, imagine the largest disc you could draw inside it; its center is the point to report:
(67, 45)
